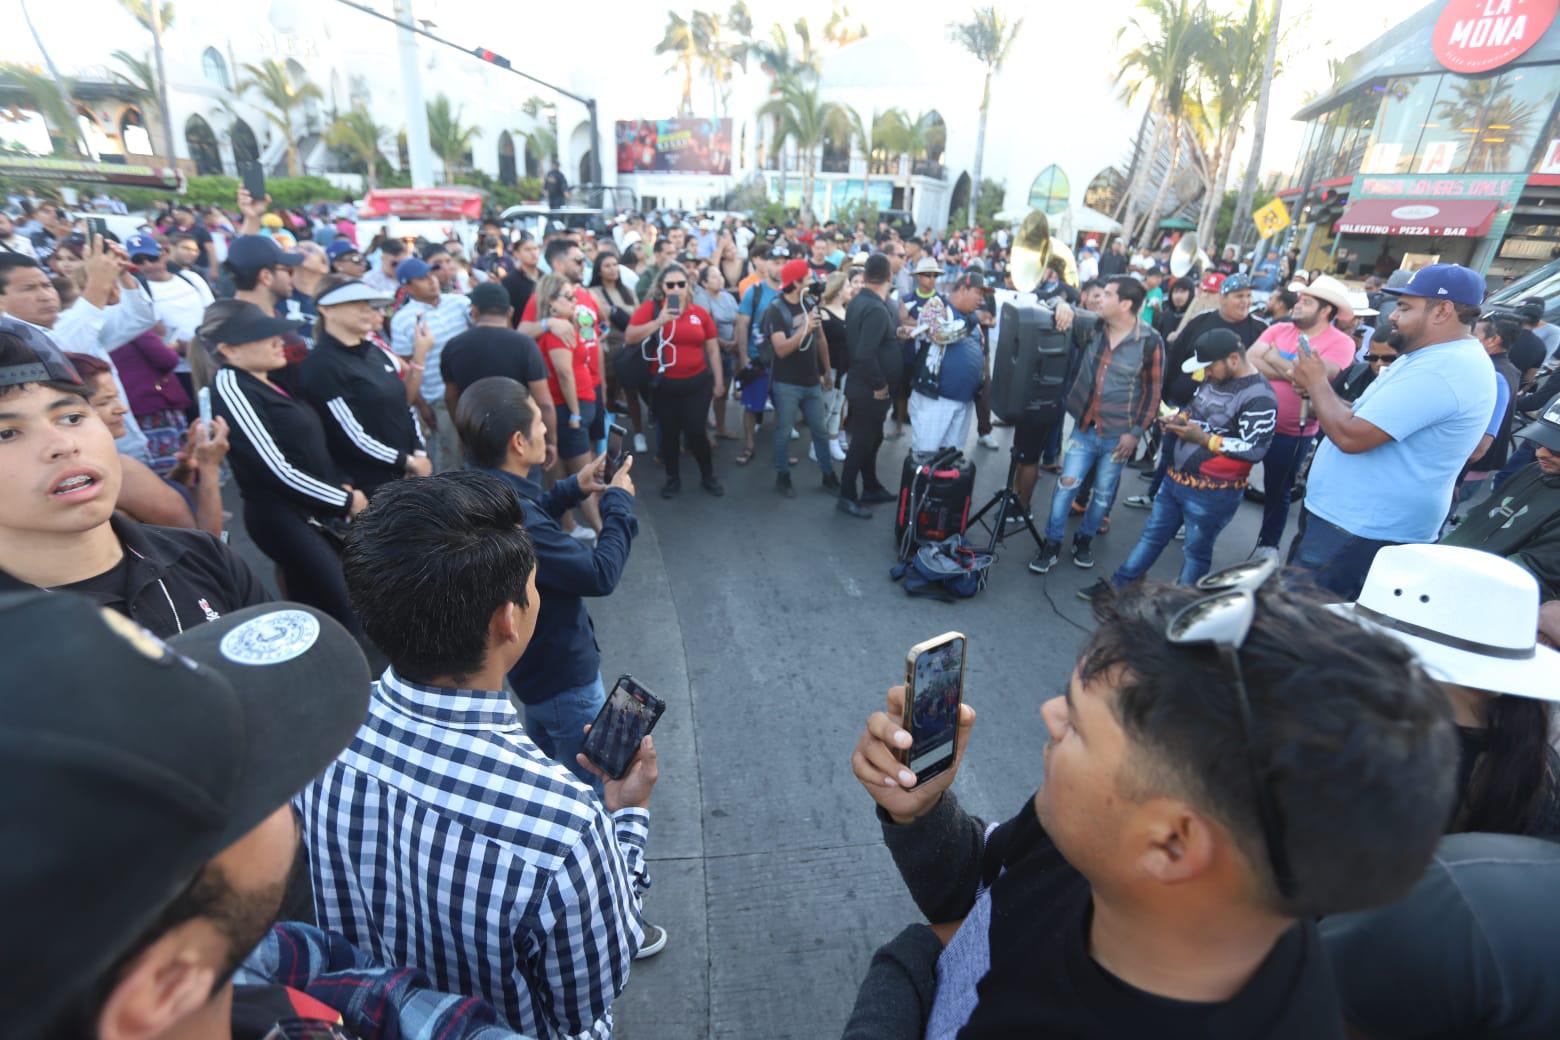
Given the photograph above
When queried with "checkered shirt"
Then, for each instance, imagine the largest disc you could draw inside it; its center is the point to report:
(444, 839)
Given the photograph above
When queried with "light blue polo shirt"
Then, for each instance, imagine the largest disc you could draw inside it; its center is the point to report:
(1434, 403)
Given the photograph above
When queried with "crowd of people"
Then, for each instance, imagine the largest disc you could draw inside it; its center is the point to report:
(1276, 799)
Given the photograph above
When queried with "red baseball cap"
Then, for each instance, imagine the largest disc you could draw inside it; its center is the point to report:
(794, 271)
(1212, 281)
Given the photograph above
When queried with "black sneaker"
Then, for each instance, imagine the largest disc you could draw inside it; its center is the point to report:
(1046, 558)
(877, 496)
(671, 487)
(850, 507)
(654, 942)
(1099, 589)
(1081, 554)
(783, 485)
(713, 486)
(831, 481)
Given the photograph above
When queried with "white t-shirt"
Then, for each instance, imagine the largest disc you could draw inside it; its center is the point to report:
(180, 302)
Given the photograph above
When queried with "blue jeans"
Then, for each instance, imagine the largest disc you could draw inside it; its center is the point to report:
(789, 398)
(1165, 451)
(1337, 560)
(557, 726)
(1280, 466)
(1085, 451)
(1205, 511)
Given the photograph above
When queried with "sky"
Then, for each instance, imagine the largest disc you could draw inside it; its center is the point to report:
(1057, 79)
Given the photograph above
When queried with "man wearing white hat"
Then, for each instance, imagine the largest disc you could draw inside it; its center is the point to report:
(1386, 471)
(1471, 618)
(1274, 355)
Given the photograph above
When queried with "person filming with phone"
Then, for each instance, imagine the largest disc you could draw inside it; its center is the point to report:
(558, 679)
(443, 838)
(1198, 811)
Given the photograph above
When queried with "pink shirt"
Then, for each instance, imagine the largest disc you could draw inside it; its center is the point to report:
(1329, 344)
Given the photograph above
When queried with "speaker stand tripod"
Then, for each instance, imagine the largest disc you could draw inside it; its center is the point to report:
(1006, 503)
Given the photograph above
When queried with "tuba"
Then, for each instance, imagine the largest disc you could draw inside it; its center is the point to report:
(1033, 248)
(1188, 256)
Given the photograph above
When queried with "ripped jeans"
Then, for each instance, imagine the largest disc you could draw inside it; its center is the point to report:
(1086, 450)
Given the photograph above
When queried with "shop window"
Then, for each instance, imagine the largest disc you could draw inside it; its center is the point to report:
(215, 69)
(1488, 124)
(1406, 105)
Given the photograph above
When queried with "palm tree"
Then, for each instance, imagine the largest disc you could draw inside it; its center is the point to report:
(847, 125)
(1231, 60)
(1170, 32)
(988, 36)
(55, 106)
(685, 39)
(141, 11)
(727, 43)
(801, 117)
(449, 138)
(838, 30)
(136, 75)
(357, 133)
(280, 97)
(1248, 184)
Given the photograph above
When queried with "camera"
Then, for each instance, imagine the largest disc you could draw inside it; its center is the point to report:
(813, 289)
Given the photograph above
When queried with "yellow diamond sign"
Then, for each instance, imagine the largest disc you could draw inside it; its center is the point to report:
(1272, 218)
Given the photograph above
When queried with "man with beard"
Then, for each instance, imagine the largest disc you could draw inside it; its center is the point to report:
(1316, 307)
(1385, 473)
(180, 758)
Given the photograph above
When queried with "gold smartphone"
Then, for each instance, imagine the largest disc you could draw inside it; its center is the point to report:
(934, 692)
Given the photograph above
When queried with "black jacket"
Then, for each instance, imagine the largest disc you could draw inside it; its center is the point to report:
(178, 578)
(563, 653)
(876, 359)
(278, 445)
(370, 428)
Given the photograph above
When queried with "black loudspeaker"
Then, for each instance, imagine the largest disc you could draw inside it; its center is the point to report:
(1030, 367)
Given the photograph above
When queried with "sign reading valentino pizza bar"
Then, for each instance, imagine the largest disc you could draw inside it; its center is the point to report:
(1479, 35)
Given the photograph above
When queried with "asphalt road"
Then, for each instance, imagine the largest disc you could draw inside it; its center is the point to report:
(772, 629)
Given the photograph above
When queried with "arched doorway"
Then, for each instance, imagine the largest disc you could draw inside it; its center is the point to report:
(1104, 191)
(959, 201)
(245, 147)
(580, 146)
(1051, 191)
(584, 170)
(202, 146)
(133, 133)
(506, 158)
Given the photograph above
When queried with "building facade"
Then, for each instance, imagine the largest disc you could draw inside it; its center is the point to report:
(1439, 141)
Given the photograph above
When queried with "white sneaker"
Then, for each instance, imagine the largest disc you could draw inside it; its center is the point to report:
(837, 451)
(640, 447)
(812, 453)
(988, 441)
(1264, 552)
(795, 434)
(583, 534)
(1180, 533)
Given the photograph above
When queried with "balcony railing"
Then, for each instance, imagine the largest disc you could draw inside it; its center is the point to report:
(927, 168)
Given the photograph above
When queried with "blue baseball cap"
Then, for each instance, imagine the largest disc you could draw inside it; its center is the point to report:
(410, 268)
(142, 245)
(1234, 283)
(1452, 282)
(257, 252)
(339, 248)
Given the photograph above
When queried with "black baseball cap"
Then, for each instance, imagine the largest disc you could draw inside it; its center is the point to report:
(1545, 430)
(248, 325)
(257, 252)
(131, 762)
(1213, 345)
(490, 298)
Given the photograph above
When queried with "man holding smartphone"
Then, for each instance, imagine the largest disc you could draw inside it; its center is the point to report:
(798, 356)
(1137, 894)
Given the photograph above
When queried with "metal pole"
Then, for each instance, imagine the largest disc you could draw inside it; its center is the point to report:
(595, 144)
(419, 155)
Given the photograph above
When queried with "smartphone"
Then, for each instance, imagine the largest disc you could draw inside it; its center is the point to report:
(203, 398)
(617, 436)
(253, 175)
(934, 691)
(1305, 345)
(674, 302)
(629, 715)
(97, 228)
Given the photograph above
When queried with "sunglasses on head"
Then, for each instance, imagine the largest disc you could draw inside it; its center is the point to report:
(1223, 619)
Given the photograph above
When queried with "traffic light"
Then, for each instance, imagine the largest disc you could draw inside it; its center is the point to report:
(490, 57)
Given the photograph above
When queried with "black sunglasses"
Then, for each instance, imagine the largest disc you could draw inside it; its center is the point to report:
(674, 285)
(1385, 359)
(1222, 620)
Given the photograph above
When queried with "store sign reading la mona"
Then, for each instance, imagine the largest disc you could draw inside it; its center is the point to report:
(1479, 35)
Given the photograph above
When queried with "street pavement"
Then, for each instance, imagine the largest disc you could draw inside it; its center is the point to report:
(772, 629)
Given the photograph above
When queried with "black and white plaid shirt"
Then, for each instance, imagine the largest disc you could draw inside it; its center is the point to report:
(444, 839)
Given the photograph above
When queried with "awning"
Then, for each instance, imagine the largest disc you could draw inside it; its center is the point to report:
(1454, 218)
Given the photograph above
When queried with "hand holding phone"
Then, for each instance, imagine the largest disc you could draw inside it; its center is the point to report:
(618, 737)
(934, 690)
(876, 764)
(617, 436)
(674, 303)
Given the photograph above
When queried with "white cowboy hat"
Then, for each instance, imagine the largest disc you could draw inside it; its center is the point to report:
(1359, 303)
(927, 265)
(1329, 290)
(1470, 617)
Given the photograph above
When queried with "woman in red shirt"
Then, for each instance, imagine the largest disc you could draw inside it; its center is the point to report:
(685, 375)
(570, 381)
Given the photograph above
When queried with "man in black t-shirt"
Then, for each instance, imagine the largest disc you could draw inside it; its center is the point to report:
(556, 185)
(1166, 878)
(491, 348)
(797, 354)
(818, 263)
